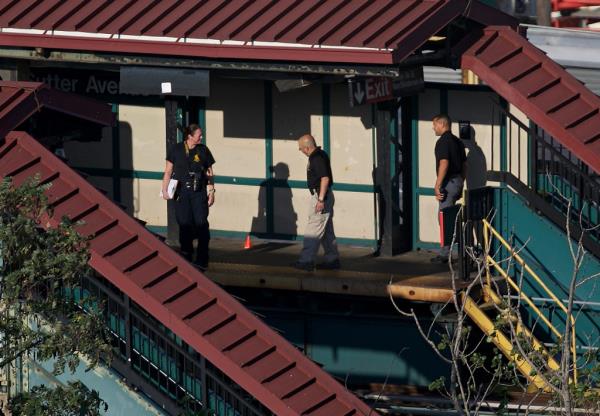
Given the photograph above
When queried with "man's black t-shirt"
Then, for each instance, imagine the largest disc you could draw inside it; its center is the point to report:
(198, 159)
(318, 167)
(452, 149)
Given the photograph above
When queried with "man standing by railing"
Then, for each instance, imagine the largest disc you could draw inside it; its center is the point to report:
(450, 161)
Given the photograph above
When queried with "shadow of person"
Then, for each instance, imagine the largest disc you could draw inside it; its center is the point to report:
(476, 163)
(284, 219)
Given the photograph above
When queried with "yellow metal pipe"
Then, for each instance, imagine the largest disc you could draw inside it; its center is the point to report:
(525, 297)
(543, 285)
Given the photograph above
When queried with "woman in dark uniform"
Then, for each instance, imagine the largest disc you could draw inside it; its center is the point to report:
(190, 162)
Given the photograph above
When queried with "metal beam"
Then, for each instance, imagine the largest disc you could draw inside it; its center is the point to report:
(104, 58)
(47, 43)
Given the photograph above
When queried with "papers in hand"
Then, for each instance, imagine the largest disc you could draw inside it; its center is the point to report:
(170, 189)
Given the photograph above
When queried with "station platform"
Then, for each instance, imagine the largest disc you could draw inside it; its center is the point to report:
(267, 264)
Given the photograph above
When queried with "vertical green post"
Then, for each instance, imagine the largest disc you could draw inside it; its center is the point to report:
(202, 116)
(326, 98)
(414, 110)
(116, 156)
(503, 144)
(269, 156)
(179, 121)
(374, 153)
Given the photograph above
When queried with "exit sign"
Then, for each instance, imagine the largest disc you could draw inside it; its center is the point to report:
(370, 90)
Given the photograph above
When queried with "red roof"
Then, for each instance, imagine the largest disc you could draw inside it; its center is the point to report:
(540, 88)
(398, 25)
(179, 296)
(19, 100)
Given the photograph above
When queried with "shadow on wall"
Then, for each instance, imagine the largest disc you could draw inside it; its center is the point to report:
(126, 192)
(278, 190)
(476, 162)
(244, 116)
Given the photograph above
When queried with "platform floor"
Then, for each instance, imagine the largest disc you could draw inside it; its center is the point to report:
(267, 265)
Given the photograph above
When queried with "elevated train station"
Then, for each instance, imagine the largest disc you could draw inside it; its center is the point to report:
(251, 336)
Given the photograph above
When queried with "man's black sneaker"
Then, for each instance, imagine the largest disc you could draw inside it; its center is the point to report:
(308, 267)
(330, 265)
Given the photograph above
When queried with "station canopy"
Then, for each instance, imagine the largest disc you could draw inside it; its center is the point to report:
(380, 32)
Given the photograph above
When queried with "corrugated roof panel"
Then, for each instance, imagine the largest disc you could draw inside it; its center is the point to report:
(132, 255)
(190, 303)
(43, 173)
(274, 364)
(19, 100)
(540, 88)
(94, 223)
(393, 24)
(183, 299)
(588, 76)
(311, 397)
(109, 240)
(76, 207)
(289, 382)
(332, 407)
(231, 334)
(211, 319)
(168, 289)
(251, 351)
(344, 15)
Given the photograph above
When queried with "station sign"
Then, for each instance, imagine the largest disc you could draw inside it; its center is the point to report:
(370, 90)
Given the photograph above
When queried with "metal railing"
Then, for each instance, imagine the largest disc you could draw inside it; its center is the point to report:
(553, 172)
(488, 233)
(164, 367)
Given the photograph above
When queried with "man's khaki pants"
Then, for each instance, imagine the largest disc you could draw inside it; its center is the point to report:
(319, 230)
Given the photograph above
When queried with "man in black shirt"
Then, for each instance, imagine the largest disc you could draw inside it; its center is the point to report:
(450, 162)
(190, 162)
(319, 229)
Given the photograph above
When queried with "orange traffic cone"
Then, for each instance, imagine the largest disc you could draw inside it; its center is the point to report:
(247, 243)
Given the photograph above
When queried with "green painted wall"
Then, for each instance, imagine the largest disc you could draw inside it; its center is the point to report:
(546, 251)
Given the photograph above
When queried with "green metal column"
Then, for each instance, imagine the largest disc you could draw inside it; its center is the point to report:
(326, 98)
(269, 156)
(116, 156)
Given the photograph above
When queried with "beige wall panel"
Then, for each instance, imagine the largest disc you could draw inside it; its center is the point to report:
(295, 113)
(287, 203)
(353, 215)
(236, 208)
(478, 108)
(351, 139)
(140, 197)
(142, 137)
(91, 154)
(299, 207)
(235, 127)
(429, 229)
(518, 136)
(429, 107)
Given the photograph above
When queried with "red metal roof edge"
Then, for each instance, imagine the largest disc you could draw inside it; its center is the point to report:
(273, 53)
(40, 95)
(488, 15)
(406, 38)
(162, 313)
(445, 14)
(514, 97)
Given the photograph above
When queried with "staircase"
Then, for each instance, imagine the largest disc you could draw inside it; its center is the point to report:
(507, 306)
(256, 360)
